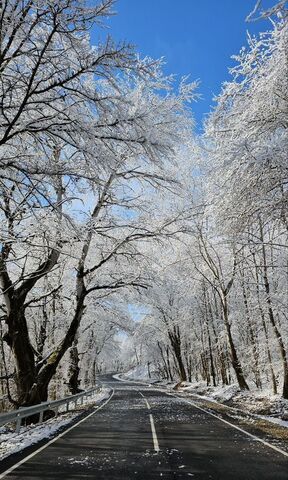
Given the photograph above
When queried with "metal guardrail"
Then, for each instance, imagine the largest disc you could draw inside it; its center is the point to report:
(25, 412)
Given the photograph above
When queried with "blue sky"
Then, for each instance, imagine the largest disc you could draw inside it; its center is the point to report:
(196, 37)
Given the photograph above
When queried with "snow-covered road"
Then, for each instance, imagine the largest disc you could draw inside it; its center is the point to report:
(143, 433)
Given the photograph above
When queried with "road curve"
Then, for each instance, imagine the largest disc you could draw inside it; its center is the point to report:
(145, 434)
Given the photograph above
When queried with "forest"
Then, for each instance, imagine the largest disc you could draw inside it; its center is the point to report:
(127, 238)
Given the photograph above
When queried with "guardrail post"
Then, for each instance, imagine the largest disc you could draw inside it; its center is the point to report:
(41, 417)
(18, 423)
(67, 406)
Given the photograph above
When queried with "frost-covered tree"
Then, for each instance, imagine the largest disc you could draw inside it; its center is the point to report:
(261, 10)
(247, 142)
(80, 124)
(249, 132)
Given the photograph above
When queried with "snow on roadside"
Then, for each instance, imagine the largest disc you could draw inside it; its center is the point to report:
(263, 405)
(277, 421)
(138, 373)
(272, 408)
(12, 442)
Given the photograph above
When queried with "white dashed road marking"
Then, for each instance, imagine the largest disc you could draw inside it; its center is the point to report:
(153, 429)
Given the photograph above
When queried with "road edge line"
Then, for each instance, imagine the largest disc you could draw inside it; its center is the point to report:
(258, 439)
(24, 460)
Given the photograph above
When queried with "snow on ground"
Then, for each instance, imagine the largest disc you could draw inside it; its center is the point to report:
(12, 442)
(261, 404)
(140, 372)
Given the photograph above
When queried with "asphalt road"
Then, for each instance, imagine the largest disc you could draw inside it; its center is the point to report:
(145, 434)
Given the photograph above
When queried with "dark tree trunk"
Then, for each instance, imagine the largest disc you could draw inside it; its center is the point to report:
(252, 337)
(208, 317)
(30, 390)
(166, 365)
(223, 368)
(48, 370)
(170, 376)
(42, 336)
(211, 360)
(205, 368)
(271, 317)
(18, 340)
(32, 385)
(262, 315)
(234, 357)
(188, 361)
(74, 370)
(175, 340)
(148, 368)
(220, 353)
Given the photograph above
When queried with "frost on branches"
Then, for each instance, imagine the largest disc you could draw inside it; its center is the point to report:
(109, 204)
(85, 142)
(217, 311)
